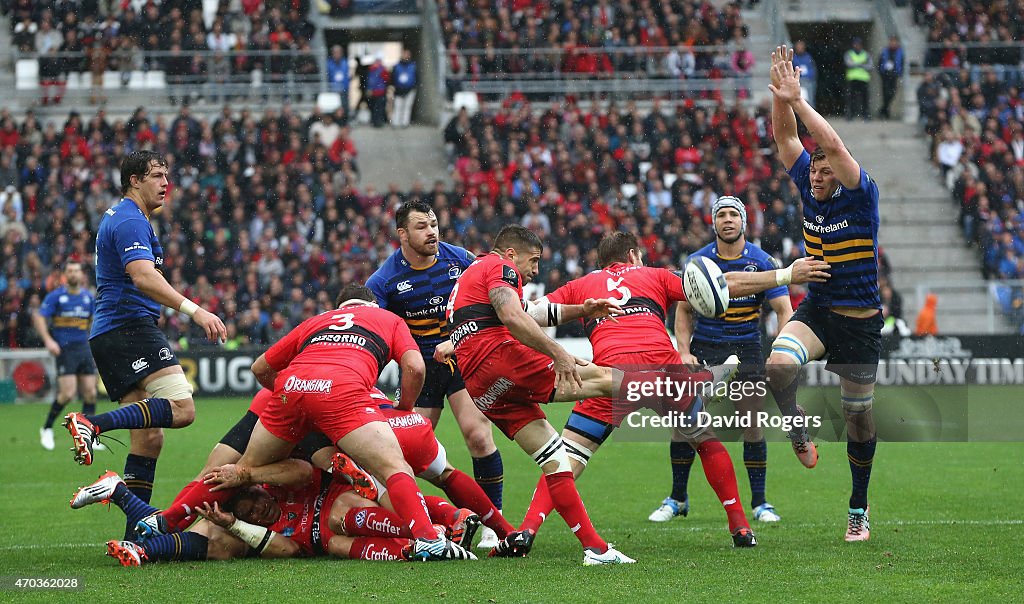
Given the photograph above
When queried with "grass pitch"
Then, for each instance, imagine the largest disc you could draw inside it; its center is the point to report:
(944, 516)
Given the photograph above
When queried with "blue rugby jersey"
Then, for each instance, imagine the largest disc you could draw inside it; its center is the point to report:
(843, 231)
(125, 235)
(70, 315)
(420, 296)
(740, 322)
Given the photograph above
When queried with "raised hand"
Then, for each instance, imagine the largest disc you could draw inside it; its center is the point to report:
(784, 77)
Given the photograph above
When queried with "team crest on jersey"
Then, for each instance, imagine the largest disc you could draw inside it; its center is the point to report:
(454, 272)
(292, 515)
(819, 218)
(436, 300)
(750, 268)
(165, 354)
(63, 299)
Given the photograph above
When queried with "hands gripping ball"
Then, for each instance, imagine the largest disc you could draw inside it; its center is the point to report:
(705, 287)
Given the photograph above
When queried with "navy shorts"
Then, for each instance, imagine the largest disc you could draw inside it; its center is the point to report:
(715, 353)
(443, 379)
(126, 355)
(853, 346)
(75, 359)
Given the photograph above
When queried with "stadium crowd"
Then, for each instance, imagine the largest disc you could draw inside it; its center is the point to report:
(962, 32)
(241, 37)
(594, 38)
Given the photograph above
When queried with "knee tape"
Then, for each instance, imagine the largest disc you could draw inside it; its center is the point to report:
(173, 387)
(791, 347)
(855, 404)
(436, 467)
(553, 450)
(578, 452)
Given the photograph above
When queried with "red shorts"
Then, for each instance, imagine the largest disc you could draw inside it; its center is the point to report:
(260, 401)
(416, 436)
(613, 411)
(305, 401)
(511, 384)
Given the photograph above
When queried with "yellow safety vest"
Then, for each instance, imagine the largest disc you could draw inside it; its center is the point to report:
(858, 74)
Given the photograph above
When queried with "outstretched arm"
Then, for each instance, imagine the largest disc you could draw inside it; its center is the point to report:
(783, 119)
(785, 89)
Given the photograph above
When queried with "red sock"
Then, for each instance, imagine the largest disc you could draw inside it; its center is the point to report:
(466, 493)
(562, 487)
(186, 503)
(408, 502)
(376, 548)
(182, 494)
(441, 512)
(540, 507)
(721, 476)
(375, 522)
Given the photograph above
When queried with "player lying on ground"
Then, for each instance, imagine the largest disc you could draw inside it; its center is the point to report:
(290, 518)
(420, 447)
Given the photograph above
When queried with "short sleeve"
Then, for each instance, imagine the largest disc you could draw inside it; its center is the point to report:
(771, 264)
(49, 306)
(376, 285)
(283, 351)
(132, 241)
(401, 340)
(673, 283)
(800, 172)
(564, 295)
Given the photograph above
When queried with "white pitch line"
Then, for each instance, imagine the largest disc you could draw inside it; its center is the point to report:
(642, 529)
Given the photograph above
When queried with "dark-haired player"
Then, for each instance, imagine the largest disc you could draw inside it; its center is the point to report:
(841, 318)
(638, 340)
(133, 357)
(69, 310)
(415, 283)
(714, 339)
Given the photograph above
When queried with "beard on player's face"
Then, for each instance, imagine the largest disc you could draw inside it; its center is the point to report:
(731, 237)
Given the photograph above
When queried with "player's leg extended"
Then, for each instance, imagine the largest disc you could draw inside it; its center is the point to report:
(598, 381)
(795, 345)
(488, 469)
(65, 392)
(857, 400)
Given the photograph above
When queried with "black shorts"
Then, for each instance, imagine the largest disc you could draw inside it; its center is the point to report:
(715, 353)
(443, 379)
(75, 359)
(126, 355)
(853, 346)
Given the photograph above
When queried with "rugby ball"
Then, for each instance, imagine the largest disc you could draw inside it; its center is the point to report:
(705, 287)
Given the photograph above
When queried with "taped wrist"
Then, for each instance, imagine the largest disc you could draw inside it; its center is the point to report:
(784, 276)
(257, 537)
(188, 307)
(544, 312)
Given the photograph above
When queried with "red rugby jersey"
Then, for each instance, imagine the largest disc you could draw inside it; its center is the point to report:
(477, 330)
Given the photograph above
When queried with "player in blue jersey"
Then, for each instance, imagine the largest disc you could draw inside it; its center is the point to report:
(840, 319)
(414, 283)
(714, 339)
(134, 359)
(63, 324)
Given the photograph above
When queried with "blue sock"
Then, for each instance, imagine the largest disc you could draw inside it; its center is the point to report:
(785, 398)
(755, 458)
(147, 413)
(51, 417)
(138, 474)
(489, 473)
(176, 546)
(861, 456)
(134, 508)
(682, 455)
(89, 407)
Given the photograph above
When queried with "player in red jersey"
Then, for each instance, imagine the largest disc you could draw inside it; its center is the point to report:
(289, 518)
(638, 340)
(322, 373)
(511, 367)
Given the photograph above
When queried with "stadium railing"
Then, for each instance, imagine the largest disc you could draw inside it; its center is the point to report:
(1003, 300)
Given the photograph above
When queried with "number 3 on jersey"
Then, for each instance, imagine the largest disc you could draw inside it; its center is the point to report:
(345, 321)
